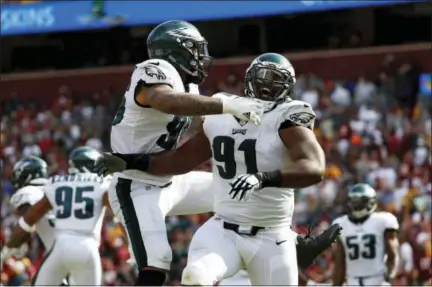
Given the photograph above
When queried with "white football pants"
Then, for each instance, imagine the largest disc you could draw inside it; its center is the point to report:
(74, 255)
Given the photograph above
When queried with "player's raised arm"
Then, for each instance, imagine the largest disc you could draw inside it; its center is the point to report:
(162, 97)
(178, 161)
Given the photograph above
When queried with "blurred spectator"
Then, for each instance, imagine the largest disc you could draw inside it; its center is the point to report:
(364, 91)
(232, 84)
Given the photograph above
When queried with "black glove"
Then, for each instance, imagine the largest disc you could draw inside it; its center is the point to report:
(109, 163)
(310, 247)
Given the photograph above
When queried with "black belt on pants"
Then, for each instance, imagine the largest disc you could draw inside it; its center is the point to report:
(242, 230)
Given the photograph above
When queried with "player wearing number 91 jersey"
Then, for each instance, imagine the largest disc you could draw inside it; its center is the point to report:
(78, 200)
(367, 249)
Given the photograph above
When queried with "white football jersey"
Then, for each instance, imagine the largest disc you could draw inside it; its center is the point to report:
(45, 227)
(140, 129)
(77, 201)
(364, 243)
(240, 148)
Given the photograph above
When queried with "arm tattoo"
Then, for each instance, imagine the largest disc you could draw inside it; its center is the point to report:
(184, 104)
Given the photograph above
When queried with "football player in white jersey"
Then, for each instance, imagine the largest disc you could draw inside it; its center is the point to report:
(155, 111)
(78, 200)
(29, 175)
(266, 163)
(367, 249)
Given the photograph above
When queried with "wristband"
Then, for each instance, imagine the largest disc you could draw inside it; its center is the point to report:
(24, 226)
(136, 161)
(270, 178)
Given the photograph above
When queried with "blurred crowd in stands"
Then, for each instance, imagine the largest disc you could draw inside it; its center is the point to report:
(368, 133)
(19, 1)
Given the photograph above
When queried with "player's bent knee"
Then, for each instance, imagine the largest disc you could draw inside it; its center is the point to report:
(197, 276)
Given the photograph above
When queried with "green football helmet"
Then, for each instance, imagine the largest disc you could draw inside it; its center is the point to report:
(270, 77)
(29, 170)
(181, 44)
(362, 200)
(82, 159)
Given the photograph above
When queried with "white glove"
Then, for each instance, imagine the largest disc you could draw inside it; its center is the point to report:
(243, 186)
(243, 108)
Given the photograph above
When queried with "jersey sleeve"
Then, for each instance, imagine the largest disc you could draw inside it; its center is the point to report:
(296, 113)
(27, 195)
(390, 222)
(153, 72)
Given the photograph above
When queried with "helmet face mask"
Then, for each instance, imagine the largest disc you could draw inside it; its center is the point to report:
(181, 44)
(270, 78)
(361, 201)
(194, 60)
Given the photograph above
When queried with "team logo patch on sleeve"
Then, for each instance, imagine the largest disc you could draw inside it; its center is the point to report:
(302, 118)
(154, 72)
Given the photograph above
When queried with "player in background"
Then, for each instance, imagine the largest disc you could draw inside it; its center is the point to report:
(155, 111)
(367, 249)
(29, 175)
(266, 163)
(78, 200)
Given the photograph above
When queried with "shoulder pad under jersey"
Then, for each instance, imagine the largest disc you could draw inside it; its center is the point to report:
(26, 195)
(389, 221)
(298, 113)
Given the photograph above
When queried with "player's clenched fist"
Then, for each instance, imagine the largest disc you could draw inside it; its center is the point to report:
(244, 109)
(243, 186)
